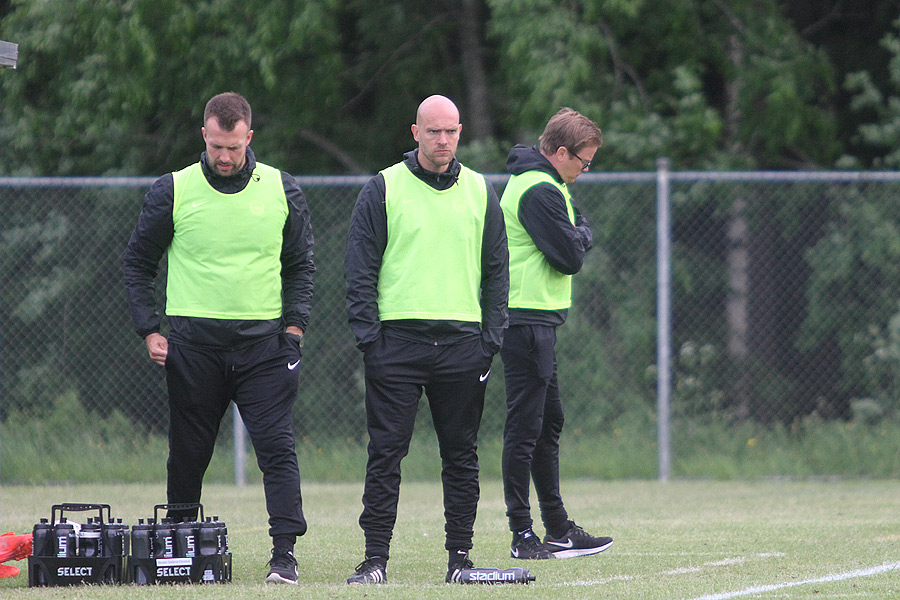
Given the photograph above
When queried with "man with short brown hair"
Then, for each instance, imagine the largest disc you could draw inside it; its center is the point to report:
(240, 265)
(548, 240)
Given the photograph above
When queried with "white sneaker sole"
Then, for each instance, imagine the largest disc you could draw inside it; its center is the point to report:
(276, 578)
(580, 551)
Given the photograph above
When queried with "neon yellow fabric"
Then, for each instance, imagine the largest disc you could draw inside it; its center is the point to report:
(225, 256)
(431, 267)
(533, 283)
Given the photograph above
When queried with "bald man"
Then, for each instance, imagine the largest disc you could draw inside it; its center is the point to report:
(427, 290)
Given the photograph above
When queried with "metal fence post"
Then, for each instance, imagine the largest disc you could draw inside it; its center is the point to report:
(240, 449)
(663, 315)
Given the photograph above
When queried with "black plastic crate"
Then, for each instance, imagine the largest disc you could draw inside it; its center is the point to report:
(199, 569)
(165, 552)
(91, 556)
(53, 571)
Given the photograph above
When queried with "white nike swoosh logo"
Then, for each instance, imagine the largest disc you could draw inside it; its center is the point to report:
(485, 376)
(196, 204)
(569, 543)
(293, 365)
(515, 552)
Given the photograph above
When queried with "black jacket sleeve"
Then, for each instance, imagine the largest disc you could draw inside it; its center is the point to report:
(149, 241)
(494, 274)
(542, 212)
(366, 241)
(297, 265)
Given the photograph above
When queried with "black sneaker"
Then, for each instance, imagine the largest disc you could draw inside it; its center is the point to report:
(526, 545)
(576, 542)
(282, 567)
(371, 570)
(456, 565)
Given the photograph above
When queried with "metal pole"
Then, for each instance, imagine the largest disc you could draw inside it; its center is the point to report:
(663, 315)
(240, 449)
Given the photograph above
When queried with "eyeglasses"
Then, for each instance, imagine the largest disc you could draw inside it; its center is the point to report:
(585, 164)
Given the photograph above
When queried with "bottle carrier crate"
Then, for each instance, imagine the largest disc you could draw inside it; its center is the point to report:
(69, 553)
(106, 551)
(188, 552)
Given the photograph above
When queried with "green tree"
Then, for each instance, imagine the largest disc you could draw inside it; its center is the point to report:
(881, 134)
(862, 245)
(111, 87)
(708, 84)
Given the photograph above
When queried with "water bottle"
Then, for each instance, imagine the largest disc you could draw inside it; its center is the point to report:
(186, 539)
(141, 548)
(491, 576)
(108, 535)
(164, 539)
(126, 537)
(113, 539)
(89, 540)
(64, 541)
(209, 538)
(141, 545)
(222, 542)
(42, 539)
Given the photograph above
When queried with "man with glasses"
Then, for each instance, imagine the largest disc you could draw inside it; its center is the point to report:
(548, 240)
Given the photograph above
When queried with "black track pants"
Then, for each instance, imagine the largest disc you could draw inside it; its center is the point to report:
(534, 420)
(454, 378)
(262, 380)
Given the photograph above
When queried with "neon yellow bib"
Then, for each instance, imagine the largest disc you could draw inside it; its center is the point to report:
(533, 283)
(431, 267)
(225, 256)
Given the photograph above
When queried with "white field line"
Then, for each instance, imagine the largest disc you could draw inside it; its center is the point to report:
(682, 570)
(825, 579)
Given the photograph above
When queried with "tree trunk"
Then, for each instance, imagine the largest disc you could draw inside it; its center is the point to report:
(737, 312)
(479, 124)
(736, 306)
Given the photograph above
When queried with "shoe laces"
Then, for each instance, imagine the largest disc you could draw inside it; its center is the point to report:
(462, 562)
(282, 558)
(369, 565)
(530, 542)
(577, 531)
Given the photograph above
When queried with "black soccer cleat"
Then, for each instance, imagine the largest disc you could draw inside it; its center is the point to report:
(576, 542)
(457, 564)
(372, 570)
(526, 545)
(282, 567)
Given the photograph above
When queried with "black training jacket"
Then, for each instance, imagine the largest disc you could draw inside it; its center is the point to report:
(367, 240)
(542, 211)
(153, 234)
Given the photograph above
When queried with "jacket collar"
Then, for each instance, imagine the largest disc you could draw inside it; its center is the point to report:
(439, 181)
(234, 183)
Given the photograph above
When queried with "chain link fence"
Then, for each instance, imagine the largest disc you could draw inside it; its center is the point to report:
(785, 314)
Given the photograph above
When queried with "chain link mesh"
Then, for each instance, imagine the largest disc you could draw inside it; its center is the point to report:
(784, 306)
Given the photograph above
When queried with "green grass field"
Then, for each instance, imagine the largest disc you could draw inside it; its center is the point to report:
(676, 540)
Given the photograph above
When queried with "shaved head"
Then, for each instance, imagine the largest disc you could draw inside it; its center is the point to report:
(437, 130)
(440, 105)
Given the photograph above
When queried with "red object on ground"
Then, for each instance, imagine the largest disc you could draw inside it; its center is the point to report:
(13, 547)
